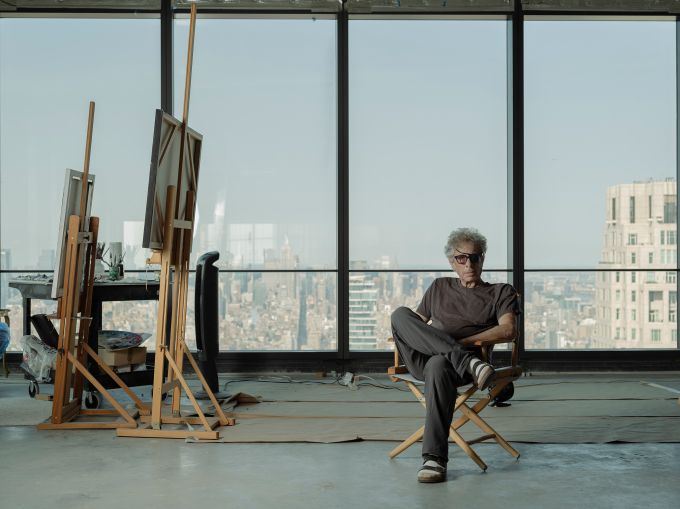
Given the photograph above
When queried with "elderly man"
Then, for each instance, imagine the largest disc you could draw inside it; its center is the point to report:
(427, 339)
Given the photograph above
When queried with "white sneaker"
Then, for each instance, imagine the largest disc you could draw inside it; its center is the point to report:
(431, 471)
(482, 373)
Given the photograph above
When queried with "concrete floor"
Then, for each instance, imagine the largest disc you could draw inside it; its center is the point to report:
(95, 469)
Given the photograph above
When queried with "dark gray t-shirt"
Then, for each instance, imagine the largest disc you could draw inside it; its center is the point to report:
(463, 312)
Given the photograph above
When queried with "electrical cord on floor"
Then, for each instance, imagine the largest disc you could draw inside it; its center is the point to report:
(281, 380)
(337, 380)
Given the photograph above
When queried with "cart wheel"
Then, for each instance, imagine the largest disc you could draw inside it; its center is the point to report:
(33, 389)
(92, 400)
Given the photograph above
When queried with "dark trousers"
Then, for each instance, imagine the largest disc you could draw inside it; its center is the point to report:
(435, 357)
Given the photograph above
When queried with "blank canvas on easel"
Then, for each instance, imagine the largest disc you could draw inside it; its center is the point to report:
(165, 155)
(70, 206)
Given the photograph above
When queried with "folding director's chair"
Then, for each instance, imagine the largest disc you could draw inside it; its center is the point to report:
(503, 378)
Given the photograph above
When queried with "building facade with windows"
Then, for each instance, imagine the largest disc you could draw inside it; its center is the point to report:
(636, 307)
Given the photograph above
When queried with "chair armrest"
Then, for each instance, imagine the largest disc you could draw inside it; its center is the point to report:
(485, 342)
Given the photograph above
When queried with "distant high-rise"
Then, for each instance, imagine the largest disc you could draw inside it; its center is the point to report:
(363, 301)
(638, 308)
(302, 319)
(135, 255)
(247, 243)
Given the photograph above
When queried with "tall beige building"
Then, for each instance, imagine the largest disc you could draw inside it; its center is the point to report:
(637, 307)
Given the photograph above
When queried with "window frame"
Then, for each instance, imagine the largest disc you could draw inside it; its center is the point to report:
(343, 358)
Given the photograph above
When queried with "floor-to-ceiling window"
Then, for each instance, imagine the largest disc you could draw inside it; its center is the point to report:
(50, 68)
(600, 188)
(430, 117)
(427, 154)
(264, 96)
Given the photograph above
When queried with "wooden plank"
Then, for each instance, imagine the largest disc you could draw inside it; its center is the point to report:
(169, 385)
(416, 392)
(123, 413)
(467, 449)
(62, 386)
(224, 420)
(161, 325)
(167, 433)
(107, 369)
(483, 438)
(190, 59)
(482, 424)
(182, 278)
(154, 259)
(172, 419)
(187, 93)
(70, 410)
(86, 164)
(99, 411)
(86, 303)
(187, 391)
(184, 251)
(417, 435)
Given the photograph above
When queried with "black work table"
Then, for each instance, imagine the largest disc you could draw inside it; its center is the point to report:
(103, 291)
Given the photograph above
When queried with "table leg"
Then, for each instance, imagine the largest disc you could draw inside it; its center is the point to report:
(26, 304)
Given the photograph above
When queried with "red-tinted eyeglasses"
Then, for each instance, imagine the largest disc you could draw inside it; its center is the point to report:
(464, 257)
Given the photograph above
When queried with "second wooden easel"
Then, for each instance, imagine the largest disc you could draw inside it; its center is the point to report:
(174, 261)
(75, 315)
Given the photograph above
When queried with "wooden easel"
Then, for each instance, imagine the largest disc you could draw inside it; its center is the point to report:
(174, 259)
(75, 315)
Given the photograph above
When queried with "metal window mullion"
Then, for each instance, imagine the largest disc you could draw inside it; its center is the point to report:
(515, 81)
(166, 55)
(343, 186)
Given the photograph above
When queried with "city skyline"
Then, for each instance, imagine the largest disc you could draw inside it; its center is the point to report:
(294, 311)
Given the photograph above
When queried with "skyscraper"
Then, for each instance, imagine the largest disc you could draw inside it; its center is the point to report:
(363, 300)
(638, 308)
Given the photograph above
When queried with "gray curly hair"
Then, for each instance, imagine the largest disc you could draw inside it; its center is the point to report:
(460, 235)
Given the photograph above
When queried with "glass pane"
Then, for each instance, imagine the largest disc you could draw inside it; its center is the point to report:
(283, 311)
(373, 296)
(427, 139)
(264, 96)
(600, 134)
(600, 310)
(49, 71)
(133, 316)
(10, 298)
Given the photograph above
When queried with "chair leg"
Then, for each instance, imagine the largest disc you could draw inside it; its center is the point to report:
(408, 442)
(481, 423)
(455, 436)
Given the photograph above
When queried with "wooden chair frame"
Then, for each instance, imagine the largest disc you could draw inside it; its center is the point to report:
(504, 376)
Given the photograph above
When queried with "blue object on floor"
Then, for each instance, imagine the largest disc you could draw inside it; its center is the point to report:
(4, 337)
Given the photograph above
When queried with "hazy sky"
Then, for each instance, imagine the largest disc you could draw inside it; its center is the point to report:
(428, 123)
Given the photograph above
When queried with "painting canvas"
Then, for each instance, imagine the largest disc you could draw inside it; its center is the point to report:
(163, 172)
(70, 206)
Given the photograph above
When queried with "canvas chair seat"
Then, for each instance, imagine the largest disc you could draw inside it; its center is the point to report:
(467, 412)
